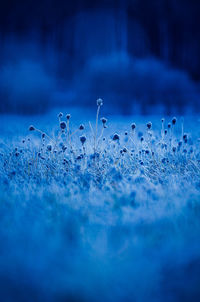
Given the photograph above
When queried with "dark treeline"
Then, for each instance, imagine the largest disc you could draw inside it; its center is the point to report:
(168, 29)
(130, 51)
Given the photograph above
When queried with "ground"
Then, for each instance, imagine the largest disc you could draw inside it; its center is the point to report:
(113, 218)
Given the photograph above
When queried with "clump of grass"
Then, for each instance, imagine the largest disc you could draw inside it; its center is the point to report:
(127, 152)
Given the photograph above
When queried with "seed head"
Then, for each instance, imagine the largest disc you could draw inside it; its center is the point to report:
(174, 121)
(81, 127)
(83, 139)
(99, 102)
(60, 115)
(149, 125)
(68, 116)
(115, 137)
(49, 147)
(133, 126)
(31, 128)
(104, 120)
(169, 125)
(185, 137)
(63, 125)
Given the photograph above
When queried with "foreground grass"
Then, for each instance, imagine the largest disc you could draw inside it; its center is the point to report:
(88, 214)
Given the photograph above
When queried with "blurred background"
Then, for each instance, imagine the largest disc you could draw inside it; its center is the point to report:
(140, 56)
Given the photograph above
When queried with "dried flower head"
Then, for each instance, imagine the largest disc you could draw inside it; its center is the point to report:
(185, 137)
(174, 121)
(31, 128)
(104, 120)
(63, 125)
(68, 116)
(133, 126)
(60, 115)
(49, 147)
(149, 125)
(82, 139)
(81, 127)
(99, 102)
(115, 137)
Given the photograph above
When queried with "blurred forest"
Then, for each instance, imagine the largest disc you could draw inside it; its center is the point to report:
(135, 53)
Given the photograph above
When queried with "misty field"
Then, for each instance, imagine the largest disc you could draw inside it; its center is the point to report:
(97, 209)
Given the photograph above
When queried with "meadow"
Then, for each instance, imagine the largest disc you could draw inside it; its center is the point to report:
(99, 209)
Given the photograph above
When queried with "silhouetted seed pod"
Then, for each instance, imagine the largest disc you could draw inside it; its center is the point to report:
(99, 102)
(81, 127)
(174, 121)
(31, 128)
(63, 125)
(133, 126)
(82, 139)
(115, 137)
(149, 125)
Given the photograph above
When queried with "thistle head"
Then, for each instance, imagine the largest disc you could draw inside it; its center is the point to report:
(81, 127)
(116, 137)
(133, 126)
(49, 148)
(63, 125)
(149, 125)
(174, 121)
(99, 102)
(60, 115)
(82, 139)
(31, 128)
(104, 120)
(185, 137)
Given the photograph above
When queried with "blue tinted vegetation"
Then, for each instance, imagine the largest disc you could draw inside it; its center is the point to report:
(99, 200)
(105, 202)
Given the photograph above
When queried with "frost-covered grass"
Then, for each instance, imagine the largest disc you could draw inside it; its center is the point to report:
(101, 210)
